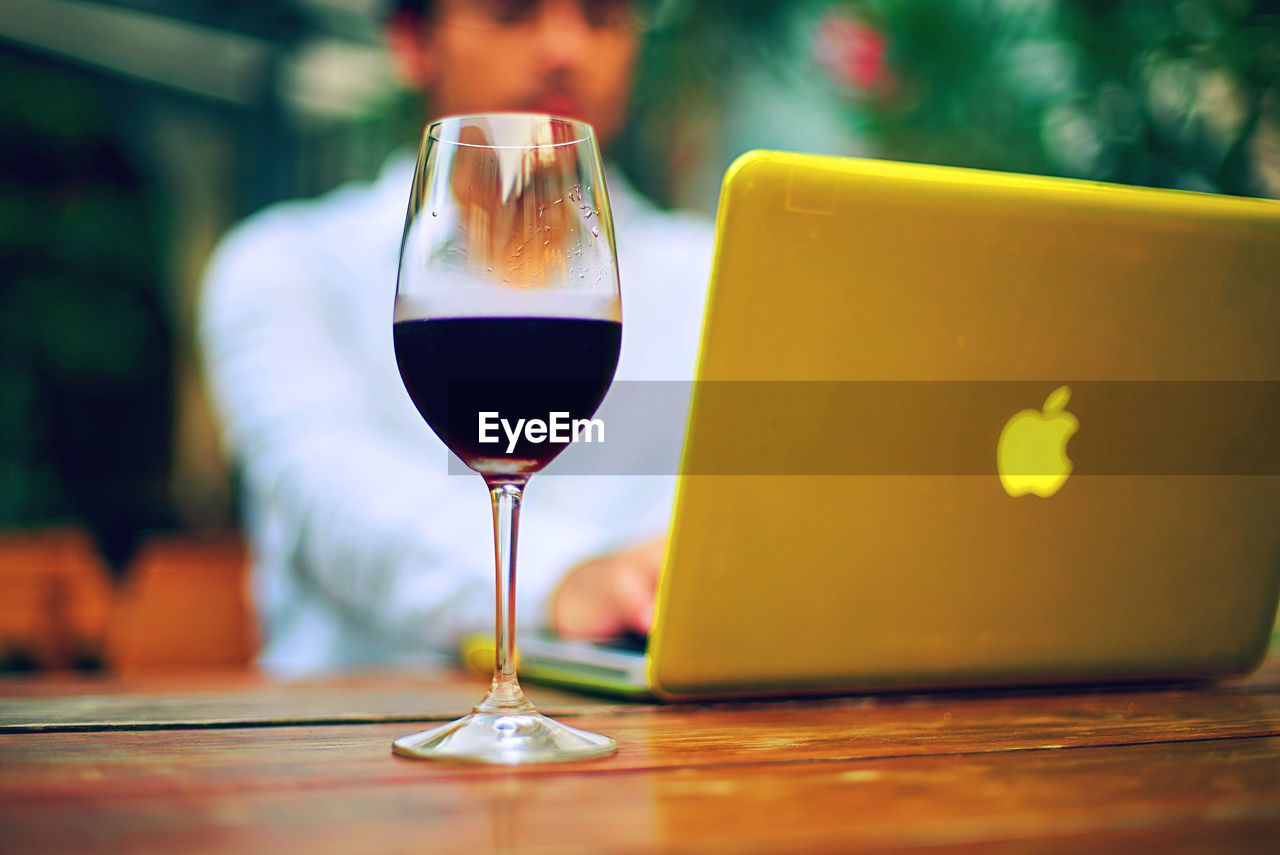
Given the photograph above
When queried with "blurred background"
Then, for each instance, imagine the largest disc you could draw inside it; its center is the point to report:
(133, 133)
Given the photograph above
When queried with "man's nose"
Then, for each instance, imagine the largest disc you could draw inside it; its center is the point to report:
(562, 32)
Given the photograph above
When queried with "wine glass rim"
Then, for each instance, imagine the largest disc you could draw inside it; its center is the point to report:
(584, 131)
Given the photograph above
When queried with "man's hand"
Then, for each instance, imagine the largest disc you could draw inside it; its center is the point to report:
(607, 596)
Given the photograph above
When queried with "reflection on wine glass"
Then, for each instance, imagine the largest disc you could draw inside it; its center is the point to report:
(507, 314)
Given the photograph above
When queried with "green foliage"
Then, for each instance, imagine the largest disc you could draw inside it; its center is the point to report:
(85, 341)
(1141, 91)
(1174, 93)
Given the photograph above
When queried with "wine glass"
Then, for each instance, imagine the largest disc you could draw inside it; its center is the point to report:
(507, 309)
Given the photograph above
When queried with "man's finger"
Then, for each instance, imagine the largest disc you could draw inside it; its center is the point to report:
(633, 590)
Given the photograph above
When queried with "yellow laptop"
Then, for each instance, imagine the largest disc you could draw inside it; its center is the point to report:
(957, 428)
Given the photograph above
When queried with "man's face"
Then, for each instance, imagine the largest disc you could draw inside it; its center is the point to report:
(572, 58)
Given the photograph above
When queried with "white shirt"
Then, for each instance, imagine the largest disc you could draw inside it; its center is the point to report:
(366, 550)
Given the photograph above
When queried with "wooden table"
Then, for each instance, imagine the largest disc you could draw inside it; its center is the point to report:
(238, 763)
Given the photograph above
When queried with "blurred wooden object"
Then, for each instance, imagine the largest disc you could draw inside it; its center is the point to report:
(55, 598)
(272, 767)
(184, 605)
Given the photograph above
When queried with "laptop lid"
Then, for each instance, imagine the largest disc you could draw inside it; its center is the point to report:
(881, 341)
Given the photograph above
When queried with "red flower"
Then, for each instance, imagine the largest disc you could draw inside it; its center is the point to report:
(852, 53)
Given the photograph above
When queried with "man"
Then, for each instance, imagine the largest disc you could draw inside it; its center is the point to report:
(366, 549)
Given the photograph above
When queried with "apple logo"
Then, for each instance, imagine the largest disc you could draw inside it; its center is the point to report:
(1031, 454)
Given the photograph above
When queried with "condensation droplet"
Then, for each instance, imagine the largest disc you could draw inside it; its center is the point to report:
(546, 243)
(595, 230)
(435, 213)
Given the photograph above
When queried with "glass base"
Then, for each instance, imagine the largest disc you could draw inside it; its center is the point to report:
(504, 738)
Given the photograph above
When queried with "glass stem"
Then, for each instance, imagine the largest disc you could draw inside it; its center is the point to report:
(505, 695)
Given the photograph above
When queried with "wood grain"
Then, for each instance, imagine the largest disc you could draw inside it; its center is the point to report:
(212, 699)
(1217, 790)
(156, 762)
(440, 694)
(1123, 770)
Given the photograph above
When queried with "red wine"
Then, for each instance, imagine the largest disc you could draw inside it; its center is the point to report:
(455, 369)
